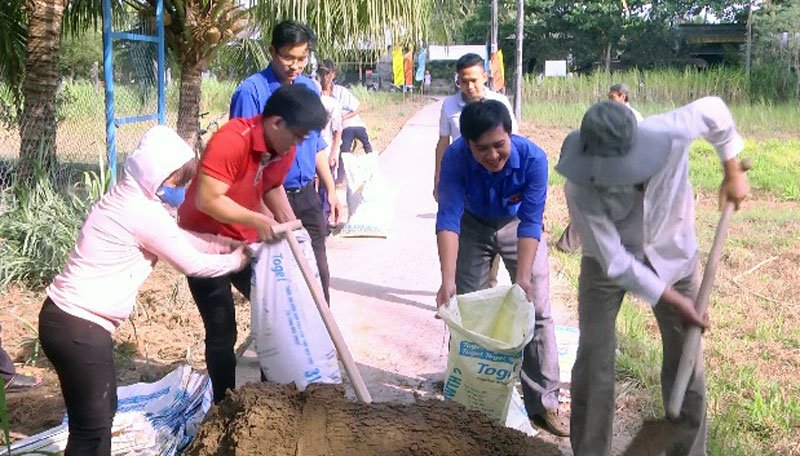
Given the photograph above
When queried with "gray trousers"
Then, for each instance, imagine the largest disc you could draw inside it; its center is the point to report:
(479, 243)
(593, 402)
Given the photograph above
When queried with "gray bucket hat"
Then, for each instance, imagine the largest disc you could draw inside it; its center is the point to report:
(611, 149)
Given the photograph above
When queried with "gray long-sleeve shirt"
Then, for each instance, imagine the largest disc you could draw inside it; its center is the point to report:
(622, 227)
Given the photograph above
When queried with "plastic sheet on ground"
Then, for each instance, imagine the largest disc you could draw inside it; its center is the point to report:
(368, 198)
(158, 418)
(567, 341)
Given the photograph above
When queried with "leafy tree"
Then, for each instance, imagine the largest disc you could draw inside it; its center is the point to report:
(777, 50)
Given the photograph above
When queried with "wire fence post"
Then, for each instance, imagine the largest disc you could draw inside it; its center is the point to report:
(108, 78)
(135, 34)
(162, 103)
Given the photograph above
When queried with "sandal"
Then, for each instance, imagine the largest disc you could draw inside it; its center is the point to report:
(20, 382)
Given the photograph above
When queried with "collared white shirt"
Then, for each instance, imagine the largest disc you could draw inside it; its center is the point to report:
(624, 227)
(349, 104)
(334, 124)
(636, 113)
(449, 119)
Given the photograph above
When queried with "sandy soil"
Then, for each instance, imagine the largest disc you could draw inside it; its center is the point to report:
(321, 421)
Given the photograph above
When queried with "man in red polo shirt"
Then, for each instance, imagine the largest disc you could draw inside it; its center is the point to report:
(238, 193)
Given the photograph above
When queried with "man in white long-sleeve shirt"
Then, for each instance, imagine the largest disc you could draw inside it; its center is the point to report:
(628, 192)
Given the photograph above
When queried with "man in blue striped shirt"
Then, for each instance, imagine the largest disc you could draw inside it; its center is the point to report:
(492, 192)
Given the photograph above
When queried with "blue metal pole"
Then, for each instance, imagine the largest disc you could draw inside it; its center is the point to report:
(162, 105)
(108, 78)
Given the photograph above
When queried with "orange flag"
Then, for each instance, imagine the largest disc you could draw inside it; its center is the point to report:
(408, 67)
(498, 70)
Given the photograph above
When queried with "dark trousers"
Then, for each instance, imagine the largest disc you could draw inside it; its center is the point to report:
(480, 242)
(7, 369)
(214, 299)
(81, 353)
(307, 207)
(350, 133)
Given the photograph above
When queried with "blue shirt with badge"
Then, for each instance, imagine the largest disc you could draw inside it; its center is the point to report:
(249, 100)
(519, 189)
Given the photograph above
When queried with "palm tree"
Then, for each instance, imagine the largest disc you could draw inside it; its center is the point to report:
(353, 28)
(195, 31)
(12, 46)
(39, 87)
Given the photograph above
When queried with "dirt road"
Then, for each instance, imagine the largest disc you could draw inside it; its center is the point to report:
(383, 290)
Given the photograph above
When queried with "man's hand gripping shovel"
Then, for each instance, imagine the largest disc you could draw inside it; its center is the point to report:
(657, 436)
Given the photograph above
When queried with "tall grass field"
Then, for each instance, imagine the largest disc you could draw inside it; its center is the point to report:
(562, 101)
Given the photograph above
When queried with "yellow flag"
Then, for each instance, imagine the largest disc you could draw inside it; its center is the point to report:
(397, 67)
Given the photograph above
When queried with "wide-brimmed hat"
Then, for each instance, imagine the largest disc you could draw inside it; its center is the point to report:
(611, 149)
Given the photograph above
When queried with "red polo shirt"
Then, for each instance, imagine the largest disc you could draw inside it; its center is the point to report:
(232, 156)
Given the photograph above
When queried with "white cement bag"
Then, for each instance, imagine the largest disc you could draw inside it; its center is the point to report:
(488, 332)
(368, 200)
(158, 418)
(292, 343)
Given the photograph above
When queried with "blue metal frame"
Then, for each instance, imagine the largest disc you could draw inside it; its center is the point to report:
(108, 76)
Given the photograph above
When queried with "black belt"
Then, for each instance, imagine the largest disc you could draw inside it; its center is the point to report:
(295, 191)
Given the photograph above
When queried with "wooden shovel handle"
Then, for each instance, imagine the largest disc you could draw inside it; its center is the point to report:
(691, 343)
(287, 229)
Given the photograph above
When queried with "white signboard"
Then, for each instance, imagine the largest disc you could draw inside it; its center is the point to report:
(555, 68)
(454, 52)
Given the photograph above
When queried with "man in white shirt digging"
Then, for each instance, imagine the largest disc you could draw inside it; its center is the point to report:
(629, 195)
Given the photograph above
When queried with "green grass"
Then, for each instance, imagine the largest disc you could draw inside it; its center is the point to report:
(39, 225)
(776, 167)
(752, 119)
(664, 86)
(751, 361)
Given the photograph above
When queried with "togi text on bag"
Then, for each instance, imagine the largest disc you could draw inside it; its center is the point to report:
(291, 341)
(488, 333)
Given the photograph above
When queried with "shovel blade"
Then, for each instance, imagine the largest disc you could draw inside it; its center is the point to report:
(655, 437)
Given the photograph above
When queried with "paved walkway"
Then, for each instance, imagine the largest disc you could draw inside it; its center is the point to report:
(383, 290)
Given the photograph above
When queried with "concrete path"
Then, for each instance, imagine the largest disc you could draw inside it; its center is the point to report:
(383, 290)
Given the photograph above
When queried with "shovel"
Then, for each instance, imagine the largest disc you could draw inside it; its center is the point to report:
(287, 230)
(656, 436)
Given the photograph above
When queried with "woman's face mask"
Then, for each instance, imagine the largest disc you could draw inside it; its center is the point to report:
(171, 195)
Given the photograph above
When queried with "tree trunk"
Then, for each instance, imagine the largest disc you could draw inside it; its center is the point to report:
(518, 64)
(38, 124)
(189, 102)
(608, 58)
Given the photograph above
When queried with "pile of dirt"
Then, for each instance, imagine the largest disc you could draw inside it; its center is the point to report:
(267, 419)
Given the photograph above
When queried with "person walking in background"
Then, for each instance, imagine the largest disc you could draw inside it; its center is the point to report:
(570, 240)
(628, 192)
(353, 127)
(492, 194)
(332, 136)
(332, 133)
(290, 47)
(619, 93)
(426, 81)
(123, 237)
